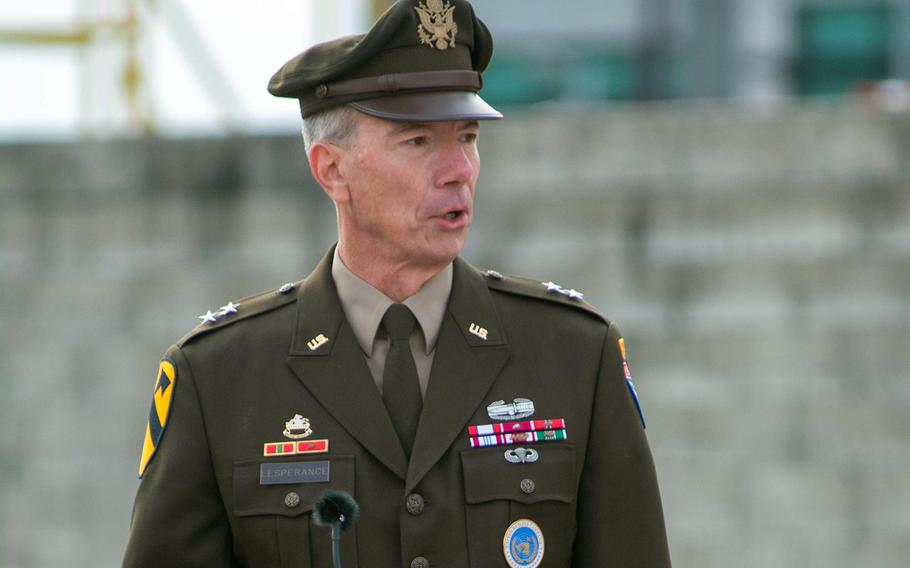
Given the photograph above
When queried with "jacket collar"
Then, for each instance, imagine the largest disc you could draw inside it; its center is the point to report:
(470, 353)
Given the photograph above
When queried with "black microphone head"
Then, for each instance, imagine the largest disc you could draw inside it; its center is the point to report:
(335, 506)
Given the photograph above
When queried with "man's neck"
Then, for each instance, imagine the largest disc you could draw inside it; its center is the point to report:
(398, 280)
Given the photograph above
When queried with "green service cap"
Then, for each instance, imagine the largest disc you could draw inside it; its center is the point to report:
(420, 61)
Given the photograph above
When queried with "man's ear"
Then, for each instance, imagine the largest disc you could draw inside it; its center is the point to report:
(325, 164)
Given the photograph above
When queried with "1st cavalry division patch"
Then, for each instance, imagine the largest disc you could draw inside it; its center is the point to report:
(161, 408)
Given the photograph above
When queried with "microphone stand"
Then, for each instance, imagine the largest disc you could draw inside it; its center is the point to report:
(335, 509)
(336, 542)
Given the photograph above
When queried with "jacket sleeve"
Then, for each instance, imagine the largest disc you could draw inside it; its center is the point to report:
(178, 516)
(620, 518)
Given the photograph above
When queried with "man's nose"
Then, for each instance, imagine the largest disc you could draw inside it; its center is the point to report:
(456, 166)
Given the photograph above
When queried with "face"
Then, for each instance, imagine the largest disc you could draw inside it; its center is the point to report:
(411, 188)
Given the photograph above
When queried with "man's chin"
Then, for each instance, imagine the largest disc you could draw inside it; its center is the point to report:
(447, 249)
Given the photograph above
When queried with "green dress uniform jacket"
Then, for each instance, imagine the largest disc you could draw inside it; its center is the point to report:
(237, 380)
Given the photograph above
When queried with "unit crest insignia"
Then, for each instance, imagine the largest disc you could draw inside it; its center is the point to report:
(297, 427)
(437, 24)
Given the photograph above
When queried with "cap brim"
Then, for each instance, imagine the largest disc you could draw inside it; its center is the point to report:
(429, 107)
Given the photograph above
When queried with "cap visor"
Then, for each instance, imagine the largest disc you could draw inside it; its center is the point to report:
(428, 107)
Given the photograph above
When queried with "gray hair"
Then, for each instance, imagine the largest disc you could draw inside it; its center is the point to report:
(336, 125)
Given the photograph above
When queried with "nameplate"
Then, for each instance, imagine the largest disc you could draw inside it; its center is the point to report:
(294, 472)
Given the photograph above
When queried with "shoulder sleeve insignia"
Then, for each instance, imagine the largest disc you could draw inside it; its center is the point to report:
(158, 414)
(629, 384)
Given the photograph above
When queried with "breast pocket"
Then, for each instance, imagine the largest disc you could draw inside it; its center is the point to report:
(273, 524)
(498, 492)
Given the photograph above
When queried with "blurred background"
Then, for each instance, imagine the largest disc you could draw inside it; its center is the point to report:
(726, 179)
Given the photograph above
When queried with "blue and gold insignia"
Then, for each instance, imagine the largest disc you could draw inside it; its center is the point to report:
(629, 384)
(523, 544)
(161, 409)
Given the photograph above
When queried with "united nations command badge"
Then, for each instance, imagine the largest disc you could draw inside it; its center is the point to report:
(161, 408)
(523, 544)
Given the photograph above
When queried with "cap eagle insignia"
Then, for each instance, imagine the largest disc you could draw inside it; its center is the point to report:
(437, 24)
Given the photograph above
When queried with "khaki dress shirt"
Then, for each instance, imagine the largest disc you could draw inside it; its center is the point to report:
(364, 307)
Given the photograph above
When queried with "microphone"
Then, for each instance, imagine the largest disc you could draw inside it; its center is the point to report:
(338, 510)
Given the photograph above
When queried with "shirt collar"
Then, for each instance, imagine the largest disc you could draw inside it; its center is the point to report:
(364, 305)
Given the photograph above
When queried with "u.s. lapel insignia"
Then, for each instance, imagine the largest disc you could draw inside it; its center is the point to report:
(160, 411)
(317, 342)
(523, 544)
(480, 332)
(437, 24)
(520, 408)
(297, 427)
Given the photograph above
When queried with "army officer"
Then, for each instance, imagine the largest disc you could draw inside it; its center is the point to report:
(478, 419)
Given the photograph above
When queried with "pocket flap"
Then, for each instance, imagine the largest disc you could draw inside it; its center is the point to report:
(488, 476)
(253, 498)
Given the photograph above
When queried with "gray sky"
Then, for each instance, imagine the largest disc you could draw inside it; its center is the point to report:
(49, 91)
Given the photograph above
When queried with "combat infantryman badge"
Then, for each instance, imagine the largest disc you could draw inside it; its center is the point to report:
(437, 24)
(520, 408)
(297, 427)
(523, 544)
(158, 415)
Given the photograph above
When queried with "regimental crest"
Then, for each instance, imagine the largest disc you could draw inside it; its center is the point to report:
(159, 413)
(297, 427)
(437, 24)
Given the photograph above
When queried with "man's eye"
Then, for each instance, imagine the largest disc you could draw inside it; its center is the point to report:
(469, 137)
(417, 141)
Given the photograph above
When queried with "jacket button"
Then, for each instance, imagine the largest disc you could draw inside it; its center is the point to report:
(414, 504)
(420, 562)
(292, 499)
(527, 485)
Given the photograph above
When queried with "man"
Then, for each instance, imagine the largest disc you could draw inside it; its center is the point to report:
(478, 419)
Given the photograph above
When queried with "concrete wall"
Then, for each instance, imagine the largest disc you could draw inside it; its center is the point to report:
(757, 263)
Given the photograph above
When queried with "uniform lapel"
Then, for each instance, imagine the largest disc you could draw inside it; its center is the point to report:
(333, 369)
(464, 368)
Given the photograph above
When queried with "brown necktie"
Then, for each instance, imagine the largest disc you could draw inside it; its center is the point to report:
(400, 385)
